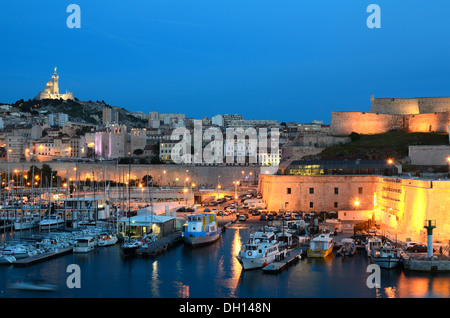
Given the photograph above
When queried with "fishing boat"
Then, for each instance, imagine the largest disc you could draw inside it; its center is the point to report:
(287, 240)
(106, 239)
(261, 249)
(201, 229)
(348, 247)
(51, 222)
(372, 242)
(85, 244)
(321, 246)
(385, 256)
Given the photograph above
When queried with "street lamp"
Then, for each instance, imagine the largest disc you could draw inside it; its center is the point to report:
(356, 203)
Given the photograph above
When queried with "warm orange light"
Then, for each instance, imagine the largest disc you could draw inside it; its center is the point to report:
(356, 203)
(185, 190)
(64, 185)
(140, 185)
(219, 186)
(193, 185)
(390, 161)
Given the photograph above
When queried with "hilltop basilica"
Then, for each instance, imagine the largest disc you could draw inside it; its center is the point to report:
(51, 90)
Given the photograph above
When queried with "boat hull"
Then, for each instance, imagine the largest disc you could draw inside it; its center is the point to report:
(200, 238)
(257, 262)
(83, 249)
(321, 253)
(385, 262)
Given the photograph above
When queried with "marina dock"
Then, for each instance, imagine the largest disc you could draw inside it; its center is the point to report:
(292, 257)
(42, 257)
(161, 245)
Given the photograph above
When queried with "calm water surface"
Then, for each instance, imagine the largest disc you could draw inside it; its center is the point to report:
(213, 272)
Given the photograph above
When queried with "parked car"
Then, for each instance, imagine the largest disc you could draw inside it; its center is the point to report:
(262, 217)
(242, 218)
(418, 248)
(409, 244)
(270, 217)
(206, 210)
(221, 212)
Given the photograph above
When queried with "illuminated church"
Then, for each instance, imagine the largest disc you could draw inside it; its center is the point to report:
(51, 90)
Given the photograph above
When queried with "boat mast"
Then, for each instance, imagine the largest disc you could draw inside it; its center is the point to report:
(129, 188)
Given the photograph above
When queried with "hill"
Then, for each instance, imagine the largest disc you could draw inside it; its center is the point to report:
(79, 111)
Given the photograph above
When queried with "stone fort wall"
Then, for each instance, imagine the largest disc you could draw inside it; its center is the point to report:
(394, 106)
(408, 106)
(344, 123)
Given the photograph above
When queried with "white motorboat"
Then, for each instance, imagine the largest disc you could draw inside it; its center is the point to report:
(19, 251)
(107, 239)
(261, 249)
(26, 223)
(85, 244)
(130, 246)
(385, 256)
(51, 222)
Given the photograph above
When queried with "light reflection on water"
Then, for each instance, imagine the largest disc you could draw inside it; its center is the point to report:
(213, 272)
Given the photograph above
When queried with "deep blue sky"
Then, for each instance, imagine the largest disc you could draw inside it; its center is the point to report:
(287, 60)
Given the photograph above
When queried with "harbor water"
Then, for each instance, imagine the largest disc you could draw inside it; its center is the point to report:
(213, 271)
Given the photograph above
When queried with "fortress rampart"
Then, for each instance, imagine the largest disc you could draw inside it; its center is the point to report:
(423, 114)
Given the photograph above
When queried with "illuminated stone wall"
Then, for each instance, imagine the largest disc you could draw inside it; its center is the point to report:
(403, 205)
(344, 123)
(400, 205)
(395, 106)
(295, 190)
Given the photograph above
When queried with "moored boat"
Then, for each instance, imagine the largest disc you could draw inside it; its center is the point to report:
(26, 223)
(261, 249)
(321, 246)
(107, 239)
(130, 246)
(372, 242)
(51, 222)
(348, 248)
(385, 256)
(201, 229)
(85, 244)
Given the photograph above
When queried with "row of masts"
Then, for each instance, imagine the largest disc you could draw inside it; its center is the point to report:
(15, 187)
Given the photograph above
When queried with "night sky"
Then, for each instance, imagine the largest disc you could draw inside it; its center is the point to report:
(286, 60)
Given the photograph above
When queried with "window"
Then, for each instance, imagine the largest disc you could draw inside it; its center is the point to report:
(335, 204)
(360, 190)
(311, 205)
(288, 190)
(311, 190)
(336, 190)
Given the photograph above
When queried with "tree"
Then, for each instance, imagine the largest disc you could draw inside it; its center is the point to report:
(138, 152)
(147, 179)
